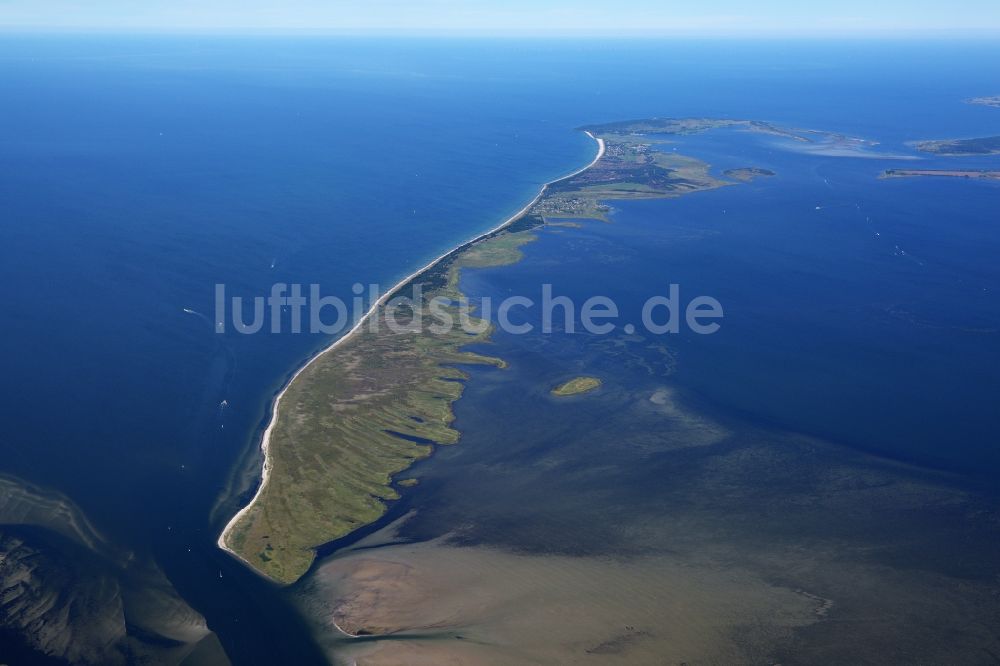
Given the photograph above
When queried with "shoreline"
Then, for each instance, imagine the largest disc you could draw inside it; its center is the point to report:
(382, 300)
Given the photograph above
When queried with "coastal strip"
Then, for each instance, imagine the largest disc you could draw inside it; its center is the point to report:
(358, 327)
(346, 426)
(942, 173)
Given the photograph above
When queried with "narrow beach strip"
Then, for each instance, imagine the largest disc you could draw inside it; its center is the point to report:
(385, 298)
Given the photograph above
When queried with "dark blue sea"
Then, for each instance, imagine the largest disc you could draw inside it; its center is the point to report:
(136, 173)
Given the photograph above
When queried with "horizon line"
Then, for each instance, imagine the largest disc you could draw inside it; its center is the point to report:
(458, 33)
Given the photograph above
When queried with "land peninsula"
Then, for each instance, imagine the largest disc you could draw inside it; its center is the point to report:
(377, 400)
(989, 145)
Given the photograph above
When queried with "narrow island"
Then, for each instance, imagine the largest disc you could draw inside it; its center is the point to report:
(747, 174)
(374, 402)
(939, 173)
(576, 386)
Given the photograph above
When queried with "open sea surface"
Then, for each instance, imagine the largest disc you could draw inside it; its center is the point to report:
(138, 173)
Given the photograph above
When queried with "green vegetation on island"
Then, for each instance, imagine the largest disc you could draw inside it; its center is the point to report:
(366, 410)
(989, 145)
(947, 173)
(632, 168)
(682, 126)
(747, 174)
(576, 386)
(351, 420)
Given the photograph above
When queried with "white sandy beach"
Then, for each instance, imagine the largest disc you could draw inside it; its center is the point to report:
(265, 440)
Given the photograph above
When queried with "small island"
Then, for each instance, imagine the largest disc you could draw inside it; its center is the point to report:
(576, 386)
(747, 174)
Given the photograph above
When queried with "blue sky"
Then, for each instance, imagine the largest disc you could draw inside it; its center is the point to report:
(691, 17)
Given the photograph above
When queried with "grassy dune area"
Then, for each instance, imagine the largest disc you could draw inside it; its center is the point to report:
(364, 412)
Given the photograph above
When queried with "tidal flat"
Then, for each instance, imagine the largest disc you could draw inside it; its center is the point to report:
(651, 532)
(715, 502)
